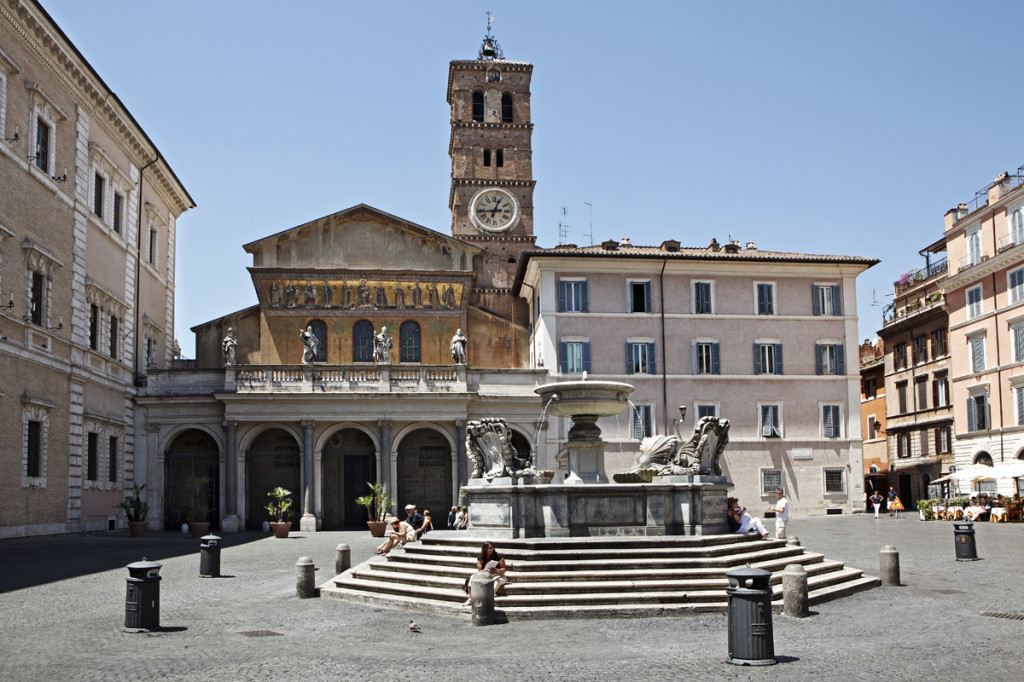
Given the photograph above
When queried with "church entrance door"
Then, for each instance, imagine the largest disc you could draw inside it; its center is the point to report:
(425, 474)
(349, 463)
(274, 460)
(192, 459)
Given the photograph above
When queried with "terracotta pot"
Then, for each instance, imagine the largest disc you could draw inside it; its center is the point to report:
(281, 529)
(199, 528)
(137, 529)
(377, 528)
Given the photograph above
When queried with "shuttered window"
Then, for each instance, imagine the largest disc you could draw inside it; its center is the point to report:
(831, 426)
(771, 421)
(572, 296)
(825, 299)
(702, 304)
(706, 358)
(640, 358)
(828, 358)
(767, 358)
(574, 357)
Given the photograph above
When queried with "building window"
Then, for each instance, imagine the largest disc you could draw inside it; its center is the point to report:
(977, 413)
(34, 449)
(640, 358)
(899, 356)
(118, 212)
(771, 421)
(765, 292)
(499, 158)
(572, 296)
(771, 480)
(903, 445)
(831, 421)
(825, 299)
(974, 302)
(901, 397)
(1016, 285)
(506, 107)
(640, 297)
(870, 388)
(940, 391)
(920, 349)
(938, 343)
(707, 410)
(942, 440)
(97, 195)
(574, 357)
(42, 159)
(114, 336)
(112, 459)
(37, 310)
(319, 328)
(767, 358)
(974, 246)
(706, 358)
(977, 352)
(94, 327)
(478, 106)
(643, 421)
(409, 342)
(92, 461)
(487, 157)
(1018, 394)
(362, 341)
(835, 481)
(1017, 334)
(872, 427)
(921, 388)
(1017, 226)
(828, 358)
(151, 360)
(702, 300)
(152, 246)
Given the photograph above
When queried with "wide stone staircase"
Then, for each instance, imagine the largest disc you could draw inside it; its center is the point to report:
(589, 577)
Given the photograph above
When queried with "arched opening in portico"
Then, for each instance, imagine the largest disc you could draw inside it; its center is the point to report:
(424, 470)
(348, 464)
(191, 463)
(274, 460)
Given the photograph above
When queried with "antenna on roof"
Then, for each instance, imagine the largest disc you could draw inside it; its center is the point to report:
(563, 227)
(590, 234)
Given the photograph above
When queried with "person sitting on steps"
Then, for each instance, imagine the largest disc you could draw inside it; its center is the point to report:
(742, 522)
(492, 562)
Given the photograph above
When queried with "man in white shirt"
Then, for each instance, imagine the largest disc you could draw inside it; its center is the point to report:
(781, 510)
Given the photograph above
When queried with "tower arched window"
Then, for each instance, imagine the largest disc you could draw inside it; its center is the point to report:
(362, 341)
(478, 106)
(499, 157)
(409, 342)
(320, 332)
(487, 157)
(506, 108)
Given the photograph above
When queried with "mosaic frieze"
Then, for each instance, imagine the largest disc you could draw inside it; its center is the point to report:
(362, 295)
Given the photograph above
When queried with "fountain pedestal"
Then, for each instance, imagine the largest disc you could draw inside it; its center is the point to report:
(585, 451)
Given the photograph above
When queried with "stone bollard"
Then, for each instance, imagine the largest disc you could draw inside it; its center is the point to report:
(305, 578)
(481, 594)
(342, 559)
(794, 591)
(889, 566)
(793, 541)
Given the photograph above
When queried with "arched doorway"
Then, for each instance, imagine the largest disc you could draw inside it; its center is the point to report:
(425, 472)
(192, 463)
(983, 458)
(348, 464)
(273, 460)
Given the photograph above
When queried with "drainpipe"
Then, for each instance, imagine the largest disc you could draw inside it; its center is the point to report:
(138, 266)
(999, 383)
(664, 349)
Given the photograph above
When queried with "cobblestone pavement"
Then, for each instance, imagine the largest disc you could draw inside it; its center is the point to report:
(62, 607)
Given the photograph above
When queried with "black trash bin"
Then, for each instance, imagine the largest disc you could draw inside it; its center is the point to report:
(963, 539)
(751, 641)
(209, 556)
(142, 602)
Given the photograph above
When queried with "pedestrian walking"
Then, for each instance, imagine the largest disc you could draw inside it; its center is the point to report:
(781, 510)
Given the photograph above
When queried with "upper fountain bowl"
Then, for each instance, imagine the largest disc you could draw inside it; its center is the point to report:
(598, 398)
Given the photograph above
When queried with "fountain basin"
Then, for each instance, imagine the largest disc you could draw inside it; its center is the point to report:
(596, 398)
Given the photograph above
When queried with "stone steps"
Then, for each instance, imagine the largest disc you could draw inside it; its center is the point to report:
(593, 577)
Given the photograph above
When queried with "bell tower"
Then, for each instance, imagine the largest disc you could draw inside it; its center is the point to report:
(491, 196)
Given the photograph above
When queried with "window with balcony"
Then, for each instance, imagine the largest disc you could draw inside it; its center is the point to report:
(826, 299)
(767, 358)
(974, 302)
(706, 358)
(574, 357)
(572, 296)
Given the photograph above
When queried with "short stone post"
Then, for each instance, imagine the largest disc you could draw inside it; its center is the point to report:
(481, 594)
(889, 566)
(342, 559)
(794, 591)
(793, 541)
(305, 578)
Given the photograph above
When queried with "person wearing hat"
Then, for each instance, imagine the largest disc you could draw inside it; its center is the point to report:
(413, 517)
(399, 533)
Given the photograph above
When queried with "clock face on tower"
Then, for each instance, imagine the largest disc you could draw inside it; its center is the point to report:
(494, 211)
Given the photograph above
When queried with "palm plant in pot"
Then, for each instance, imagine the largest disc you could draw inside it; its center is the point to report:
(378, 504)
(280, 502)
(136, 511)
(199, 508)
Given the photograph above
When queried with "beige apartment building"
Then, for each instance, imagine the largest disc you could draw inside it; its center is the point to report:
(985, 297)
(919, 427)
(88, 212)
(767, 340)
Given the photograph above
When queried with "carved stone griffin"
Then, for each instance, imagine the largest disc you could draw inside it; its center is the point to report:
(669, 456)
(490, 451)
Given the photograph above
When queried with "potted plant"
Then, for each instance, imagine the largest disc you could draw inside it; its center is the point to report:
(136, 511)
(377, 504)
(924, 508)
(280, 502)
(199, 509)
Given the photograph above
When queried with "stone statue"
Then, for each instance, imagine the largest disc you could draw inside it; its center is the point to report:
(458, 346)
(669, 456)
(382, 347)
(490, 451)
(229, 344)
(311, 345)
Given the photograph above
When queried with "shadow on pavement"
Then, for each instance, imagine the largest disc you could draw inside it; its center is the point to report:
(28, 562)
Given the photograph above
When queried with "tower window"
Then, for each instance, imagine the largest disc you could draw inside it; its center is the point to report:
(487, 157)
(478, 106)
(499, 159)
(506, 108)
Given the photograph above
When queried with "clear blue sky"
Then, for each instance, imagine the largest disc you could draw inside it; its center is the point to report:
(822, 127)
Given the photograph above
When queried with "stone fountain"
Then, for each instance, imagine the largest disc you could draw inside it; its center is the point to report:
(675, 488)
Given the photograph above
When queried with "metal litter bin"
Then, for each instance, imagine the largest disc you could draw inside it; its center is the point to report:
(209, 556)
(142, 601)
(963, 540)
(751, 641)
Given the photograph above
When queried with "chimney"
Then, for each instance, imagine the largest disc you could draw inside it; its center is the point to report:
(999, 187)
(961, 211)
(751, 246)
(625, 242)
(714, 245)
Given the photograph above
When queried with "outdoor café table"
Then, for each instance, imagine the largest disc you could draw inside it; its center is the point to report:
(998, 513)
(971, 513)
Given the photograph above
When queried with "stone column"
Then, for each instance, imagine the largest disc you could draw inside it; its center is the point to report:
(384, 468)
(460, 457)
(308, 521)
(154, 477)
(229, 519)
